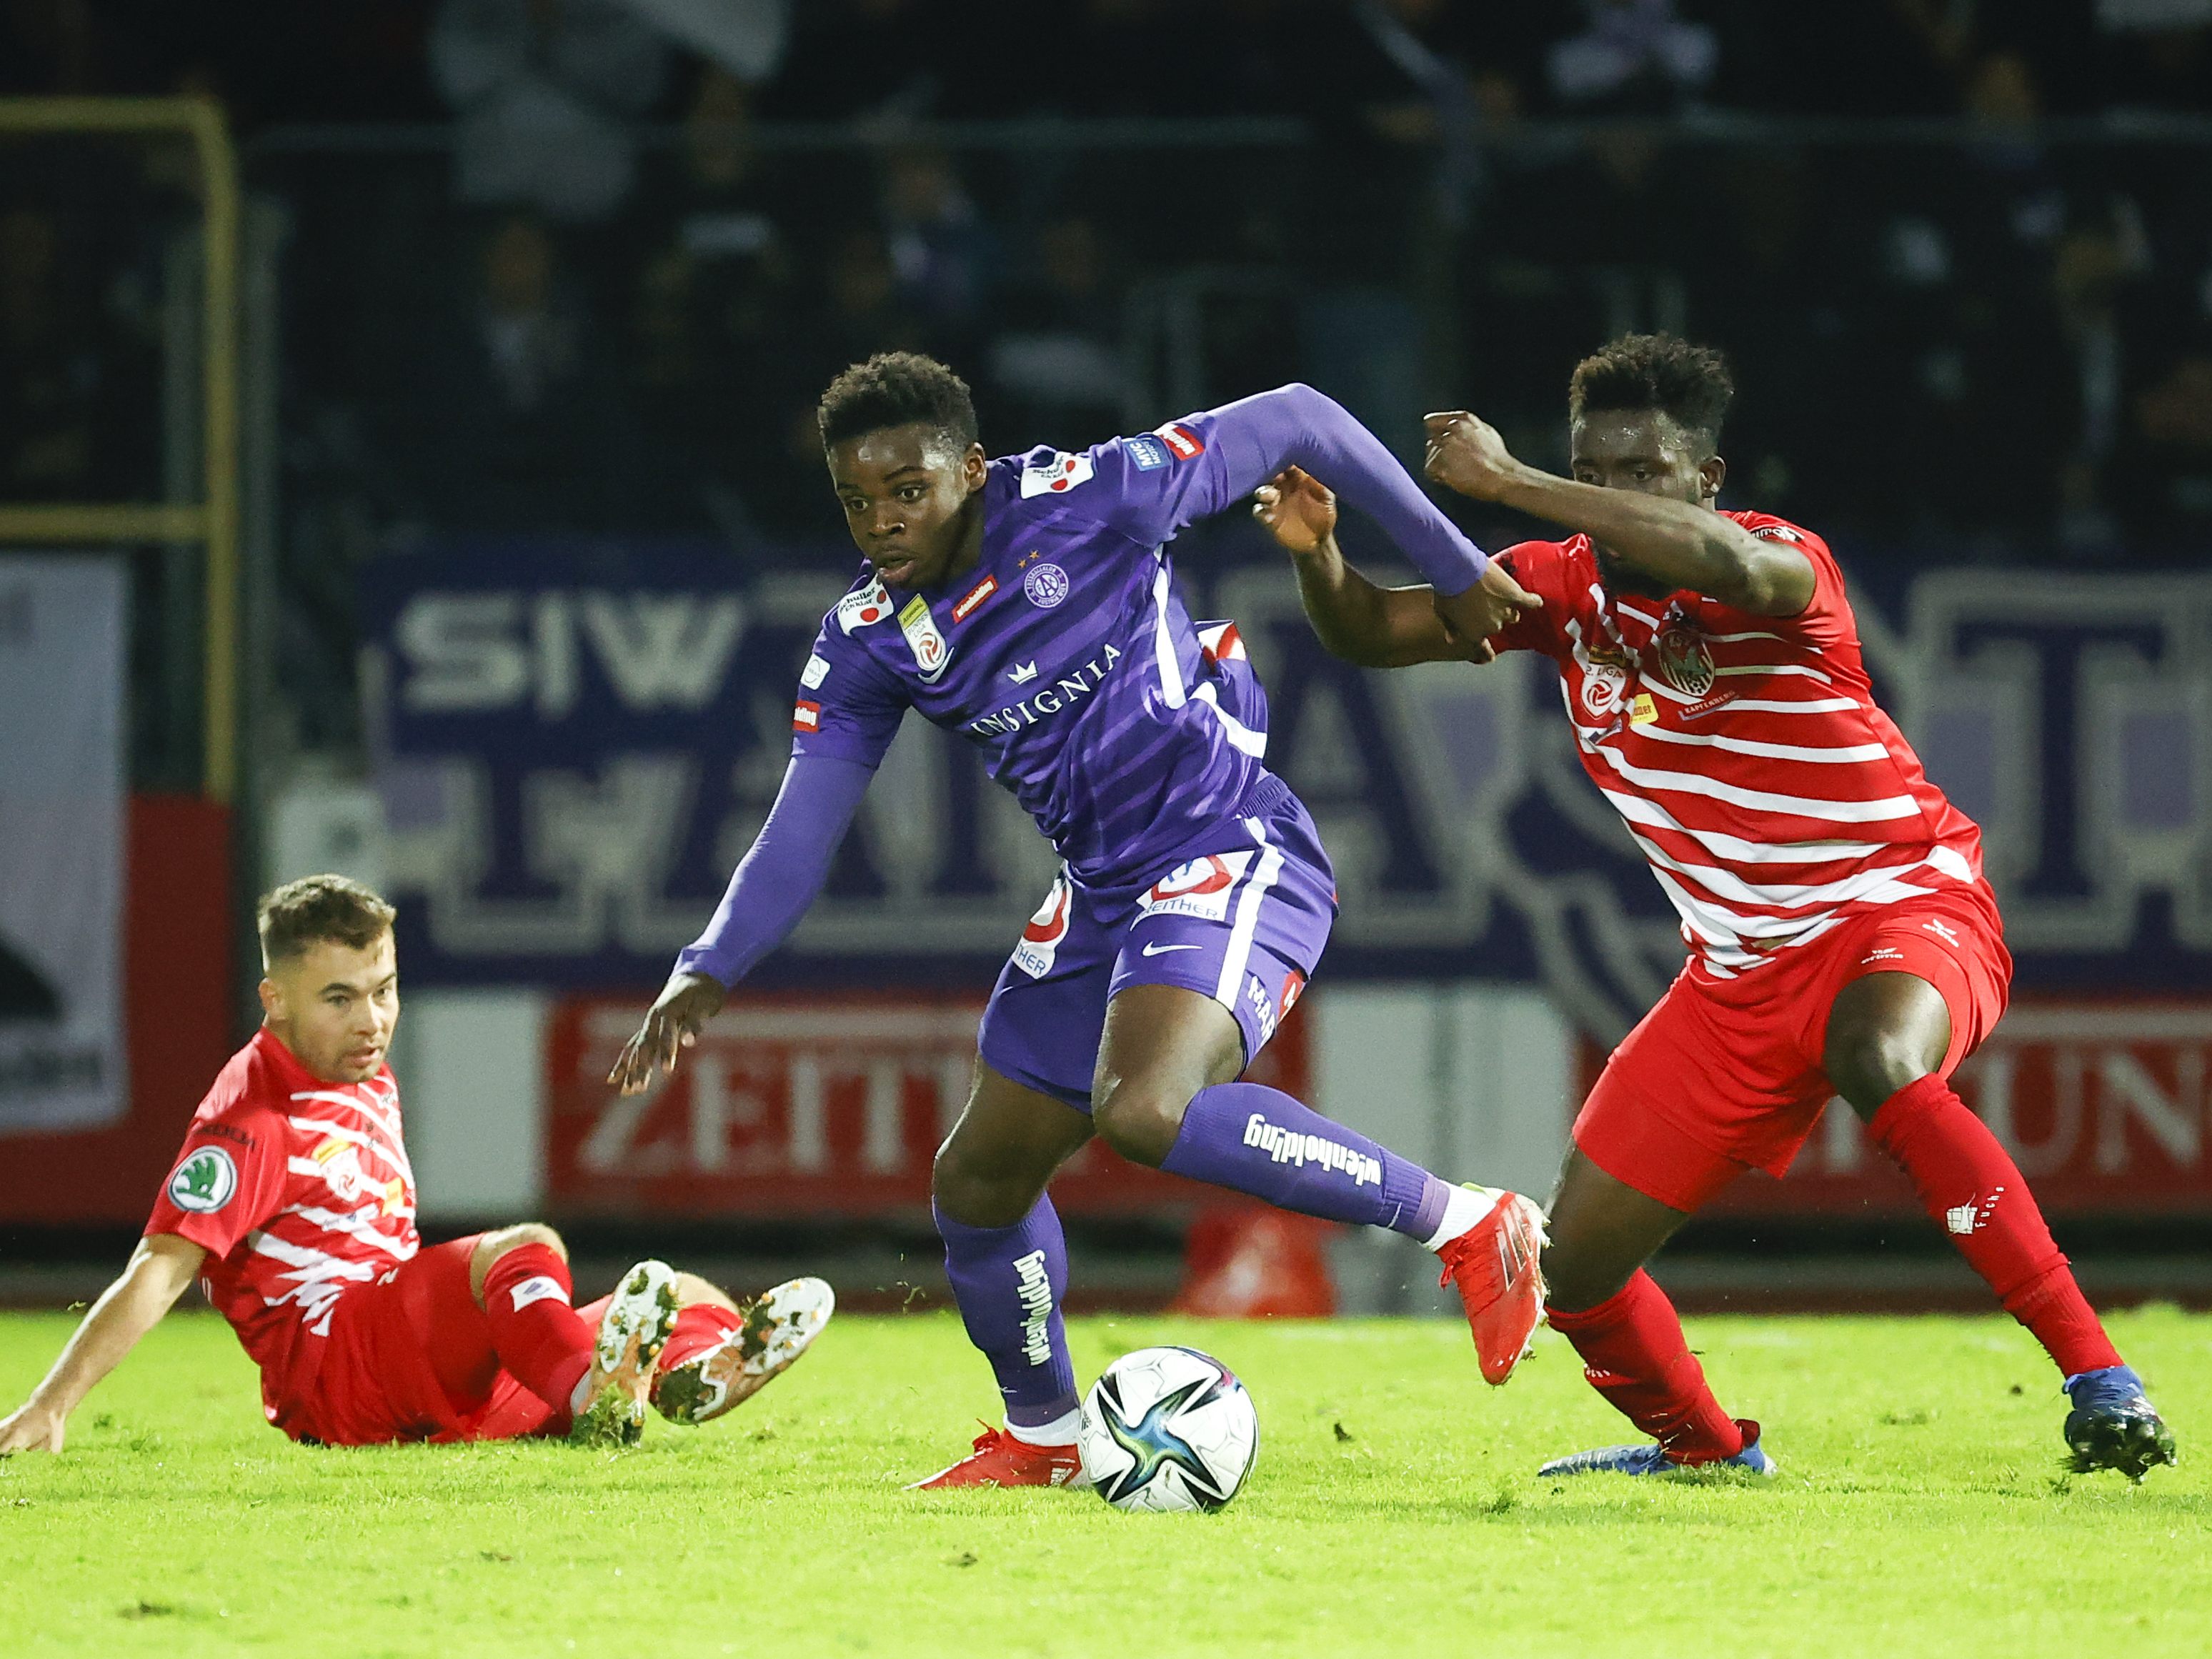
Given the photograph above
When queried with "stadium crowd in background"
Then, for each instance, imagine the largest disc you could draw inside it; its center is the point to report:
(607, 303)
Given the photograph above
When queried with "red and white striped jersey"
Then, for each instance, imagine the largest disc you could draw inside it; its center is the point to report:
(298, 1190)
(1746, 753)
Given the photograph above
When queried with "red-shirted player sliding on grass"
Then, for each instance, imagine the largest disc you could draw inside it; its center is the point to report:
(1842, 938)
(293, 1205)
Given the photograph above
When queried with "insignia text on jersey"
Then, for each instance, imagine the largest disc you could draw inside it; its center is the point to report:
(1067, 690)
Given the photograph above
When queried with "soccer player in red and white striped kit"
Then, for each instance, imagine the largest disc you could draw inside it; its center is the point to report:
(293, 1204)
(1842, 938)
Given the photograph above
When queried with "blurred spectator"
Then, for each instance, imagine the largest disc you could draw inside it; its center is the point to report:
(1635, 55)
(544, 90)
(2174, 416)
(49, 367)
(50, 47)
(940, 249)
(881, 61)
(744, 39)
(717, 357)
(2093, 264)
(1056, 361)
(2158, 54)
(513, 418)
(2165, 461)
(863, 310)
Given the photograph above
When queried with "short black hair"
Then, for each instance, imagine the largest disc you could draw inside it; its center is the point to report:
(316, 908)
(896, 388)
(1660, 372)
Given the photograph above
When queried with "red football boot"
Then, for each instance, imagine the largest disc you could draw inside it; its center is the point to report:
(1000, 1460)
(1493, 1263)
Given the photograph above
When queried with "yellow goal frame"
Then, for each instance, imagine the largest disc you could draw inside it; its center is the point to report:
(213, 522)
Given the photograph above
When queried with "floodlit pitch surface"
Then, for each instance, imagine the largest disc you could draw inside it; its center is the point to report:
(1395, 1510)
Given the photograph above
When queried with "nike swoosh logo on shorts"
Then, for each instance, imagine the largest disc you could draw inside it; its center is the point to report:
(1162, 950)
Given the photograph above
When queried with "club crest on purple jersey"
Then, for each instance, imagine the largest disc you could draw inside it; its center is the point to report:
(1046, 585)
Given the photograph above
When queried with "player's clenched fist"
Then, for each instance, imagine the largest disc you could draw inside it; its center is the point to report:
(1297, 509)
(1467, 454)
(687, 1002)
(1495, 603)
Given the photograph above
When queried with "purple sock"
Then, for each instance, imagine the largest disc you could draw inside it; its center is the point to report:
(1009, 1282)
(1255, 1139)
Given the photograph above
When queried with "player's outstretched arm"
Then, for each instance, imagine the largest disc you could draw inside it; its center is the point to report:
(1681, 543)
(1374, 627)
(773, 884)
(1296, 425)
(149, 1287)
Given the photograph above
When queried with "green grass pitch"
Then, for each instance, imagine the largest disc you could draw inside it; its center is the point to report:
(1395, 1510)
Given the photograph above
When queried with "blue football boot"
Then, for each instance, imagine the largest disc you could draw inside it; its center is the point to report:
(1652, 1459)
(2112, 1426)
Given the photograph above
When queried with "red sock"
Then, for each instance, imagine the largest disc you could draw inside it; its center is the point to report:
(543, 1342)
(1969, 1184)
(699, 1326)
(1634, 1354)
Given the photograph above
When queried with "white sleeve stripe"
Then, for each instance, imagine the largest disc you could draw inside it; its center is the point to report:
(1850, 755)
(1690, 783)
(1728, 888)
(1775, 668)
(1808, 706)
(1735, 848)
(353, 1226)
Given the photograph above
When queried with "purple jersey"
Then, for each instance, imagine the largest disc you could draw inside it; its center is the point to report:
(1066, 654)
(1133, 737)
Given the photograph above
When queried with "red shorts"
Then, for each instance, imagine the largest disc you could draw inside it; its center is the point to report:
(1724, 1075)
(410, 1358)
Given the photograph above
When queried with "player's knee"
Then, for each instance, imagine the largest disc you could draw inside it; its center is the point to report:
(1577, 1277)
(1140, 1120)
(1868, 1067)
(494, 1245)
(970, 1185)
(505, 1241)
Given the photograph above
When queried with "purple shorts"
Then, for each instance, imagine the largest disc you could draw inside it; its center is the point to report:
(1244, 923)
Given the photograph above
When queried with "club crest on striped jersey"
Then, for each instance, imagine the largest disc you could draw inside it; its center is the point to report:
(1045, 586)
(933, 653)
(864, 605)
(1040, 941)
(1201, 888)
(1685, 662)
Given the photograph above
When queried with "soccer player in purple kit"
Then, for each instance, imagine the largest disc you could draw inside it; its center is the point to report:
(1028, 604)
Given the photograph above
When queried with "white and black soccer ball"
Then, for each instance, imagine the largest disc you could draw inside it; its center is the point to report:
(1168, 1429)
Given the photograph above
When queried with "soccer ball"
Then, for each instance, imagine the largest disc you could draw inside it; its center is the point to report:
(1168, 1429)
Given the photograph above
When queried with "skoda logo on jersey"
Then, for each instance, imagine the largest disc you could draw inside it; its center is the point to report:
(1685, 661)
(1046, 585)
(204, 1182)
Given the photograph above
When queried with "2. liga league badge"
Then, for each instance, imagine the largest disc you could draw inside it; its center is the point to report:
(1046, 585)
